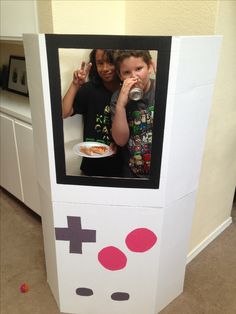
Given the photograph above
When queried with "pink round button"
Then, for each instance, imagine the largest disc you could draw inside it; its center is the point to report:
(140, 240)
(112, 258)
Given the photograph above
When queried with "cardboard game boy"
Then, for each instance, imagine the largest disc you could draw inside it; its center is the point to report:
(119, 245)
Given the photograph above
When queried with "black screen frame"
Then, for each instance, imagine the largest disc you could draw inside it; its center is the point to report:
(160, 43)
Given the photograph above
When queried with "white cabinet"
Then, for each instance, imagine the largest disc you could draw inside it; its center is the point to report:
(18, 17)
(9, 162)
(25, 148)
(18, 173)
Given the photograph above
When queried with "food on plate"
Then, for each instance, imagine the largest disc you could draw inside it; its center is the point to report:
(86, 150)
(101, 150)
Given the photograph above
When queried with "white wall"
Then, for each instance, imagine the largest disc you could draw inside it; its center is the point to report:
(88, 17)
(218, 175)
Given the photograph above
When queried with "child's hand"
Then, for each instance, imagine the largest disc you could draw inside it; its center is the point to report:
(154, 66)
(126, 87)
(80, 76)
(113, 148)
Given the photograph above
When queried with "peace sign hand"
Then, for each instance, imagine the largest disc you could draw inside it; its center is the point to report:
(80, 76)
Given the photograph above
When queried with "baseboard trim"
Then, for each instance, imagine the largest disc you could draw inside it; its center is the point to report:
(208, 239)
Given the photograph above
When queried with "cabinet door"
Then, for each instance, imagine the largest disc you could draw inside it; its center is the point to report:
(18, 17)
(24, 140)
(9, 163)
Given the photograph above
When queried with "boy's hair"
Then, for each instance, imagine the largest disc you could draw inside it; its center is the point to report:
(93, 74)
(121, 55)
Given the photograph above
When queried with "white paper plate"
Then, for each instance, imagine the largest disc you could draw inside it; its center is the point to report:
(77, 150)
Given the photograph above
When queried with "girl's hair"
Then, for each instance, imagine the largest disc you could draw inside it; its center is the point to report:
(108, 57)
(121, 55)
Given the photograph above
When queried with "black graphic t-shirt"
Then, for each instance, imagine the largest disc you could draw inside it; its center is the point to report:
(140, 116)
(93, 102)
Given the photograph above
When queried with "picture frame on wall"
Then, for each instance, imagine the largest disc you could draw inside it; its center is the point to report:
(17, 77)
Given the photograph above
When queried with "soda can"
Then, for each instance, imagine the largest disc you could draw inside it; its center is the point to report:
(136, 93)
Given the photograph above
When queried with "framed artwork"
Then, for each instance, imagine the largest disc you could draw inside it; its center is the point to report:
(61, 49)
(17, 78)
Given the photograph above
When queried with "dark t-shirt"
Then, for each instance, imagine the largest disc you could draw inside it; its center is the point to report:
(93, 102)
(137, 152)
